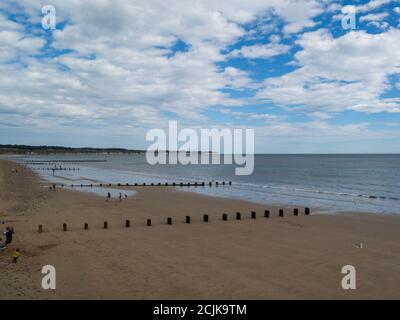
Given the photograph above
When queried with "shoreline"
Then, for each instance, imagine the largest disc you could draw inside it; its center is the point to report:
(294, 257)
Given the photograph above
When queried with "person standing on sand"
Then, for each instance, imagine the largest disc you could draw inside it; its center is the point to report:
(9, 234)
(120, 196)
(108, 196)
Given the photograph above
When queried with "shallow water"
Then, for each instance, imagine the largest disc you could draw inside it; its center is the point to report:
(331, 182)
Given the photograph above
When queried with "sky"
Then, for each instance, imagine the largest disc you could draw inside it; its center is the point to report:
(113, 69)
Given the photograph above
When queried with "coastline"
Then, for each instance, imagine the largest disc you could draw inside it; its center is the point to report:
(293, 257)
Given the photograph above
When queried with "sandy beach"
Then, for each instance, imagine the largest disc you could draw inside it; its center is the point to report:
(294, 257)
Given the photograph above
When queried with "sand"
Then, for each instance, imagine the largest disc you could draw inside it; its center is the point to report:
(277, 258)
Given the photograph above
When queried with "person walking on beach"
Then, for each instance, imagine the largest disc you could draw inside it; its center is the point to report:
(9, 235)
(108, 196)
(120, 196)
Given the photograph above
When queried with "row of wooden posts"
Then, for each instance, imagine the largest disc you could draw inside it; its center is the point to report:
(188, 219)
(58, 169)
(173, 184)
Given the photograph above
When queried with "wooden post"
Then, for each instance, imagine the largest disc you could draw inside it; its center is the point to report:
(238, 216)
(169, 220)
(86, 226)
(205, 218)
(40, 228)
(223, 183)
(65, 227)
(187, 219)
(295, 212)
(105, 225)
(266, 213)
(281, 212)
(253, 214)
(210, 183)
(230, 182)
(224, 217)
(307, 211)
(149, 222)
(127, 223)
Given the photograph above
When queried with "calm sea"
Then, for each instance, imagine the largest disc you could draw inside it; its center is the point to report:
(328, 182)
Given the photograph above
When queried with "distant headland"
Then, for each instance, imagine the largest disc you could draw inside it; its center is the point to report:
(27, 149)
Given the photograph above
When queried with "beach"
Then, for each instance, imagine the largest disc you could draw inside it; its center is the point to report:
(290, 257)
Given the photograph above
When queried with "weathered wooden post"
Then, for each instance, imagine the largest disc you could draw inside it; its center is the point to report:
(223, 183)
(187, 219)
(230, 182)
(149, 222)
(86, 226)
(205, 218)
(65, 227)
(224, 217)
(295, 212)
(105, 225)
(307, 211)
(127, 223)
(40, 228)
(281, 212)
(253, 214)
(238, 216)
(216, 183)
(210, 183)
(169, 220)
(266, 213)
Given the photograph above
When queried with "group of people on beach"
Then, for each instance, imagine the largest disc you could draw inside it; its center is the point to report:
(7, 244)
(120, 196)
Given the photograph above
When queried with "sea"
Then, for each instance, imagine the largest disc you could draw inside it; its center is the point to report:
(328, 183)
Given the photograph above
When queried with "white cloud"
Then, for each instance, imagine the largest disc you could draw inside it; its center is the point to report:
(335, 74)
(261, 51)
(374, 17)
(136, 77)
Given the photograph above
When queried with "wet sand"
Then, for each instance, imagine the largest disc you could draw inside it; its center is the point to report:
(277, 258)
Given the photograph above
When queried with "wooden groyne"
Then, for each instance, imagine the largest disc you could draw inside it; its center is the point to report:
(187, 220)
(152, 184)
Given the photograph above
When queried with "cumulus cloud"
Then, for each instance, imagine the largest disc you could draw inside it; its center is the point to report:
(335, 74)
(260, 51)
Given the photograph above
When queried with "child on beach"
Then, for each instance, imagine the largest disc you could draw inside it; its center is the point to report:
(16, 255)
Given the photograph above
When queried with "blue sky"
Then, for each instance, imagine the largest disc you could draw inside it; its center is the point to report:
(112, 70)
